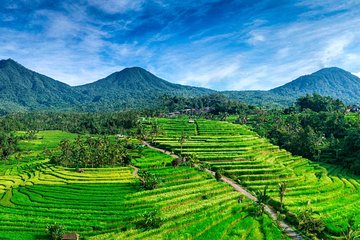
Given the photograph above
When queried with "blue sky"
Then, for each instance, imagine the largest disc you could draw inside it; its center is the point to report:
(224, 45)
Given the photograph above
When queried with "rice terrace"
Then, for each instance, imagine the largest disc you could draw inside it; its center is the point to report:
(179, 120)
(189, 203)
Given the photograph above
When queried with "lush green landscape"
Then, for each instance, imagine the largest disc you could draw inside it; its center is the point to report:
(252, 161)
(108, 203)
(93, 172)
(179, 120)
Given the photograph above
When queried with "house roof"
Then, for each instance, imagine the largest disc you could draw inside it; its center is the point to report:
(71, 236)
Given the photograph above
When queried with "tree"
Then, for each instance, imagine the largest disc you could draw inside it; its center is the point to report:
(282, 190)
(148, 180)
(150, 220)
(352, 231)
(155, 130)
(55, 231)
(140, 130)
(318, 103)
(261, 200)
(310, 222)
(8, 145)
(182, 140)
(218, 174)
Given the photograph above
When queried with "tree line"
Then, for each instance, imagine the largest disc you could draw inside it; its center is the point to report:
(216, 103)
(92, 152)
(92, 123)
(315, 128)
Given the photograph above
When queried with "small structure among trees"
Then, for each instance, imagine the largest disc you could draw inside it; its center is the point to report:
(71, 236)
(353, 108)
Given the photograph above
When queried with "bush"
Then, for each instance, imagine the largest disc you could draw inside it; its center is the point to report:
(310, 224)
(148, 180)
(150, 220)
(218, 174)
(55, 231)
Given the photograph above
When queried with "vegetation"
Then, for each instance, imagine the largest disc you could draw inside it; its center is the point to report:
(262, 199)
(255, 163)
(24, 90)
(282, 190)
(92, 123)
(216, 104)
(317, 128)
(55, 231)
(92, 152)
(150, 220)
(8, 145)
(106, 203)
(148, 180)
(309, 223)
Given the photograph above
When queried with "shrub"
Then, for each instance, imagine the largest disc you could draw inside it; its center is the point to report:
(310, 224)
(218, 174)
(148, 180)
(150, 220)
(55, 231)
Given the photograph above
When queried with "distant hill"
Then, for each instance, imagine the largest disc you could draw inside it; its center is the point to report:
(334, 82)
(136, 87)
(22, 89)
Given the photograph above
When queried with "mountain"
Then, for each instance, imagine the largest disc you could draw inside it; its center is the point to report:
(334, 82)
(22, 89)
(136, 87)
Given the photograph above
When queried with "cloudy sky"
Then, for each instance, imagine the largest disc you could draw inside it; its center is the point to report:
(239, 44)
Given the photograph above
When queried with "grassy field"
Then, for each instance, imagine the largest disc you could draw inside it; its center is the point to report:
(254, 162)
(107, 203)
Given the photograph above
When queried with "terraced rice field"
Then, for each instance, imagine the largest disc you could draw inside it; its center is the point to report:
(254, 163)
(195, 206)
(106, 203)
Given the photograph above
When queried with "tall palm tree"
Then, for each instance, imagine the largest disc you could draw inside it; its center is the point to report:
(261, 200)
(182, 140)
(282, 190)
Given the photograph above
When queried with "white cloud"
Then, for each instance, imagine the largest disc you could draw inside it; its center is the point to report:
(357, 74)
(256, 37)
(117, 6)
(334, 49)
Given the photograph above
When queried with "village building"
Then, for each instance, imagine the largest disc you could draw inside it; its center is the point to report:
(71, 236)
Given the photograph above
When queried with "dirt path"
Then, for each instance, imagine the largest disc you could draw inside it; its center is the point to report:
(286, 228)
(136, 170)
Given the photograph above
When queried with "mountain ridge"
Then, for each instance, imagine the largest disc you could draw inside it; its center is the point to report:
(29, 90)
(22, 89)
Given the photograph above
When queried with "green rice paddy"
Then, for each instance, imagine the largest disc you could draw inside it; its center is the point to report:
(254, 163)
(107, 203)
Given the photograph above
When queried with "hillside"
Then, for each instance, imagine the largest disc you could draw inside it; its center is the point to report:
(109, 202)
(243, 156)
(22, 89)
(334, 82)
(134, 87)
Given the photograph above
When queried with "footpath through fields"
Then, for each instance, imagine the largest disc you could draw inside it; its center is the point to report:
(285, 227)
